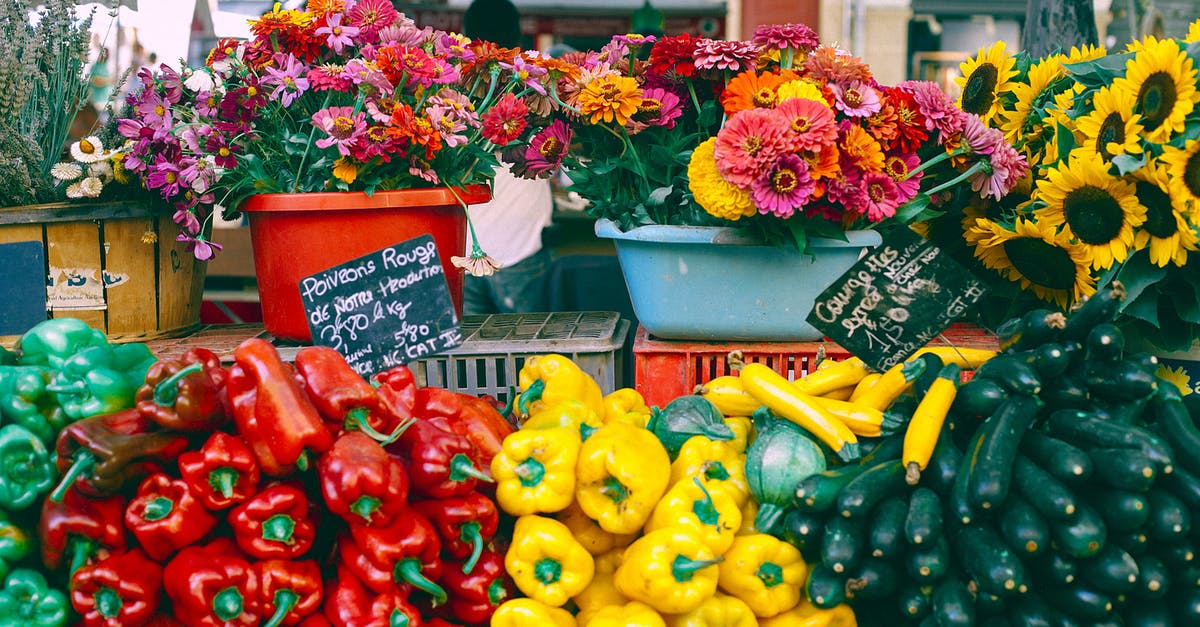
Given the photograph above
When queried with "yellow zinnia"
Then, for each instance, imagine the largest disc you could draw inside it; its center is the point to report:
(1165, 232)
(714, 194)
(984, 77)
(1112, 128)
(1037, 257)
(611, 98)
(1162, 78)
(801, 89)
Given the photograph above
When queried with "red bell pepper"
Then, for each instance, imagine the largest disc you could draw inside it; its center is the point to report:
(276, 523)
(186, 394)
(163, 620)
(474, 597)
(351, 604)
(397, 388)
(464, 523)
(407, 552)
(468, 416)
(439, 462)
(343, 397)
(165, 516)
(289, 591)
(360, 482)
(101, 454)
(222, 473)
(315, 620)
(212, 586)
(121, 590)
(440, 622)
(272, 413)
(79, 526)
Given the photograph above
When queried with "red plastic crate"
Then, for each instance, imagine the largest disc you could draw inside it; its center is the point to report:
(666, 369)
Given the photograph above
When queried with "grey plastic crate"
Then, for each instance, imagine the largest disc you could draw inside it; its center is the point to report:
(496, 347)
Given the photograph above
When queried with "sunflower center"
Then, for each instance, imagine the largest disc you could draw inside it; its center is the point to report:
(1112, 130)
(784, 181)
(1160, 217)
(1093, 215)
(980, 89)
(801, 124)
(1042, 263)
(853, 98)
(1191, 174)
(765, 98)
(753, 145)
(1156, 99)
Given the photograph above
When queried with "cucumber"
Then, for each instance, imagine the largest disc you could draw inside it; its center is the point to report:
(1118, 380)
(978, 398)
(825, 588)
(1122, 511)
(989, 561)
(804, 530)
(1148, 615)
(943, 465)
(1023, 527)
(1082, 602)
(1153, 578)
(1172, 416)
(914, 601)
(1012, 372)
(1055, 569)
(1085, 429)
(1112, 570)
(844, 545)
(930, 561)
(1100, 307)
(1083, 535)
(1048, 495)
(1105, 342)
(1185, 486)
(1049, 360)
(1170, 520)
(992, 458)
(818, 492)
(1068, 392)
(1135, 542)
(1035, 327)
(872, 581)
(1064, 461)
(886, 535)
(1124, 468)
(869, 488)
(952, 604)
(924, 519)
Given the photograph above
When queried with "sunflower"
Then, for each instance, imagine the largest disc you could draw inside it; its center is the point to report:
(1176, 376)
(984, 78)
(1094, 207)
(1112, 128)
(1032, 254)
(1193, 33)
(1087, 52)
(1183, 164)
(1028, 95)
(1165, 230)
(1162, 79)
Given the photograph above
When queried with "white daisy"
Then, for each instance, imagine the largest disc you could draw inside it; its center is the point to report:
(74, 190)
(88, 150)
(66, 171)
(91, 187)
(102, 170)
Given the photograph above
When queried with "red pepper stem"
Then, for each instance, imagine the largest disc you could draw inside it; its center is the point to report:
(530, 395)
(462, 468)
(81, 550)
(166, 392)
(365, 506)
(84, 462)
(469, 532)
(224, 480)
(409, 570)
(285, 601)
(359, 421)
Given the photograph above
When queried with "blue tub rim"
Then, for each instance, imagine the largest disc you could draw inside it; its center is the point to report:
(721, 236)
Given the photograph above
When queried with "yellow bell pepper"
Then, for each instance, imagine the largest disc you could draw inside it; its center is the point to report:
(632, 614)
(525, 612)
(749, 514)
(808, 615)
(626, 405)
(715, 463)
(535, 471)
(765, 572)
(602, 591)
(709, 511)
(589, 533)
(623, 471)
(728, 395)
(570, 414)
(548, 379)
(719, 610)
(671, 570)
(546, 562)
(743, 432)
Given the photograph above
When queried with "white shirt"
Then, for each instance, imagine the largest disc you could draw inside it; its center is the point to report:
(510, 225)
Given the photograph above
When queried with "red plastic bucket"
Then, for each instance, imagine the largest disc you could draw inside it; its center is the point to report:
(295, 235)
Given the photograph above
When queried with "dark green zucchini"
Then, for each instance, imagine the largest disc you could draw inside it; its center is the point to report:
(1064, 461)
(1048, 495)
(1123, 411)
(1172, 416)
(1034, 328)
(1055, 569)
(978, 398)
(958, 502)
(1087, 430)
(1187, 577)
(1023, 527)
(1135, 542)
(1185, 486)
(914, 601)
(992, 458)
(1177, 555)
(1049, 360)
(1031, 610)
(921, 384)
(1186, 607)
(869, 488)
(988, 606)
(929, 562)
(1012, 372)
(943, 465)
(1112, 570)
(1124, 468)
(872, 581)
(1105, 342)
(1082, 602)
(988, 560)
(844, 545)
(804, 529)
(1122, 510)
(952, 604)
(924, 519)
(825, 588)
(888, 447)
(1066, 392)
(1100, 307)
(1170, 520)
(819, 492)
(1118, 380)
(1151, 614)
(886, 535)
(1153, 578)
(1082, 535)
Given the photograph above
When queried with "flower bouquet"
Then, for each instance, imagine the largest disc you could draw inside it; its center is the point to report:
(1115, 189)
(778, 134)
(343, 96)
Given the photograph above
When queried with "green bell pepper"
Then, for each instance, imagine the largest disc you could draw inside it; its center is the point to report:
(28, 601)
(101, 379)
(24, 400)
(52, 342)
(26, 469)
(7, 357)
(15, 544)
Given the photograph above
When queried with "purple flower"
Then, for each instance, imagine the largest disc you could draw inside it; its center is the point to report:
(206, 104)
(201, 248)
(343, 126)
(133, 128)
(171, 83)
(939, 109)
(1007, 166)
(197, 174)
(856, 100)
(186, 219)
(337, 36)
(164, 175)
(784, 187)
(156, 115)
(712, 54)
(792, 36)
(193, 136)
(980, 138)
(290, 81)
(547, 148)
(614, 50)
(527, 73)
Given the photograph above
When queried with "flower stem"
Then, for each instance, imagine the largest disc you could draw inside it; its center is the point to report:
(307, 147)
(979, 166)
(936, 160)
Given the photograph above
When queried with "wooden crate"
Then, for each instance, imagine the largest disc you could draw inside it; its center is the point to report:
(114, 265)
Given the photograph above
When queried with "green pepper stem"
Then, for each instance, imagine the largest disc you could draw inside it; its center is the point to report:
(166, 392)
(360, 423)
(302, 461)
(497, 593)
(158, 508)
(224, 480)
(228, 604)
(84, 462)
(528, 396)
(683, 569)
(614, 489)
(364, 506)
(470, 532)
(768, 517)
(547, 571)
(108, 602)
(81, 549)
(770, 574)
(716, 471)
(409, 570)
(279, 528)
(285, 601)
(705, 509)
(462, 468)
(530, 472)
(399, 619)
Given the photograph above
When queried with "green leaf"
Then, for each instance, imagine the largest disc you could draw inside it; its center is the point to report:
(799, 235)
(659, 196)
(1066, 141)
(1137, 274)
(1144, 308)
(1128, 163)
(907, 212)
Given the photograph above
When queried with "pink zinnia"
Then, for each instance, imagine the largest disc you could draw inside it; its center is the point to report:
(380, 109)
(343, 126)
(547, 148)
(358, 72)
(448, 125)
(882, 196)
(337, 35)
(810, 124)
(711, 54)
(899, 166)
(856, 100)
(749, 143)
(939, 109)
(456, 104)
(783, 188)
(790, 36)
(1007, 166)
(373, 16)
(850, 196)
(665, 104)
(527, 73)
(505, 121)
(329, 76)
(980, 138)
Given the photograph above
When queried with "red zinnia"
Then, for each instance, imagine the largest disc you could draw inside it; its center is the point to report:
(505, 121)
(910, 123)
(673, 55)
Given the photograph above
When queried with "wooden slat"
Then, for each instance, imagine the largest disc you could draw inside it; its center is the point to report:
(129, 261)
(76, 245)
(180, 280)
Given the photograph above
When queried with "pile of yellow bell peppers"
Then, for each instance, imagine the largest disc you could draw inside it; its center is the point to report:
(611, 532)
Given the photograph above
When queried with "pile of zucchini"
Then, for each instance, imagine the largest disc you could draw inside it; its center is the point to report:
(1061, 490)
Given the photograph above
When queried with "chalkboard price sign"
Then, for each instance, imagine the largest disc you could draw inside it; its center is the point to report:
(23, 290)
(895, 299)
(385, 308)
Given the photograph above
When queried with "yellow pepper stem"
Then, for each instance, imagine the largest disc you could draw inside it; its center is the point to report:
(770, 574)
(614, 490)
(530, 395)
(547, 571)
(716, 471)
(531, 472)
(683, 569)
(704, 509)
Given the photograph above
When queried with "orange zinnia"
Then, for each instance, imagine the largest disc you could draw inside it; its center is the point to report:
(610, 98)
(862, 150)
(749, 90)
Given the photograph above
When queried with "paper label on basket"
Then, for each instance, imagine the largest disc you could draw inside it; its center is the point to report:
(383, 309)
(895, 299)
(23, 290)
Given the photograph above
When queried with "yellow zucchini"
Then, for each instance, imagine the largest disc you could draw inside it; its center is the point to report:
(892, 384)
(838, 375)
(730, 397)
(963, 357)
(863, 421)
(926, 424)
(864, 385)
(783, 398)
(840, 394)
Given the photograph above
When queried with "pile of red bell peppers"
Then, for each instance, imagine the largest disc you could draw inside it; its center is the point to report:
(272, 494)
